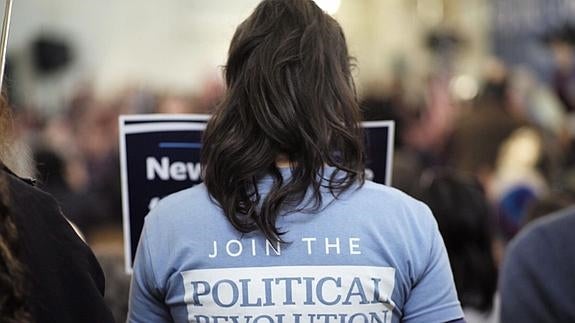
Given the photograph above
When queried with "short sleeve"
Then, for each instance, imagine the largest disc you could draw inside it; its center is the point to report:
(433, 298)
(146, 301)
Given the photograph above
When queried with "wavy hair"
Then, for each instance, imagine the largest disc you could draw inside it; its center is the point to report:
(289, 94)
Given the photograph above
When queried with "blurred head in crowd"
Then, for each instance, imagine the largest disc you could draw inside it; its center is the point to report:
(495, 91)
(175, 104)
(561, 42)
(51, 167)
(562, 45)
(289, 98)
(462, 213)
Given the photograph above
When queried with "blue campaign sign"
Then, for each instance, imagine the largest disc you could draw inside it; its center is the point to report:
(160, 155)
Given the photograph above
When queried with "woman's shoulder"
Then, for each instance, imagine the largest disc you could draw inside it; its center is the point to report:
(376, 198)
(30, 204)
(180, 209)
(385, 191)
(193, 198)
(47, 240)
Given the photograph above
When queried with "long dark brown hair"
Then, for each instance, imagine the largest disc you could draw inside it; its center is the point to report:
(289, 94)
(13, 292)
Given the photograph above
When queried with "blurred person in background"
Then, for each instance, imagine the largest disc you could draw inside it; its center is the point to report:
(388, 103)
(537, 283)
(561, 42)
(429, 128)
(547, 205)
(76, 155)
(463, 215)
(47, 273)
(210, 95)
(98, 209)
(479, 132)
(489, 142)
(175, 104)
(283, 164)
(517, 180)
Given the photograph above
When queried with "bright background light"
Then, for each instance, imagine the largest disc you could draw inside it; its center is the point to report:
(464, 87)
(329, 6)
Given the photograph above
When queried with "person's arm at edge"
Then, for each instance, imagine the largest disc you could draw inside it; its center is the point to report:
(433, 298)
(146, 302)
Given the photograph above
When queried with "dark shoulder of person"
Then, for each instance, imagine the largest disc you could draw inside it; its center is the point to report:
(537, 283)
(65, 281)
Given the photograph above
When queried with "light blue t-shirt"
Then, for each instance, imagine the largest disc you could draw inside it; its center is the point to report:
(373, 255)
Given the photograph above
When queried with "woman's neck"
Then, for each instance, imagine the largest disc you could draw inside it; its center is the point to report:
(282, 161)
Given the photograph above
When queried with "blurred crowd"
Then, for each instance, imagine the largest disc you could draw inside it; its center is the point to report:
(74, 155)
(487, 164)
